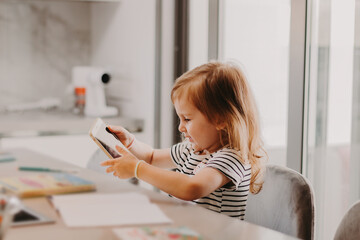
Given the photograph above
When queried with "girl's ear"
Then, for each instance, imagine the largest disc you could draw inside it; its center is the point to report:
(220, 126)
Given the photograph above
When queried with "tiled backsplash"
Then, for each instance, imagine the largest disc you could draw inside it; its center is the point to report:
(40, 42)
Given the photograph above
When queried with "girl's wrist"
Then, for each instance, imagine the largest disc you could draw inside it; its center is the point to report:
(131, 142)
(137, 168)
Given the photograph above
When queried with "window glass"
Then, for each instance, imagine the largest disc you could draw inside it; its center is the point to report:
(332, 157)
(256, 34)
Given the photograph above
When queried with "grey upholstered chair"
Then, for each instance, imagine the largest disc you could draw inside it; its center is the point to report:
(349, 227)
(285, 203)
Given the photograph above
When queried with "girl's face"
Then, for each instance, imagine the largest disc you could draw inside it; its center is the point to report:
(196, 127)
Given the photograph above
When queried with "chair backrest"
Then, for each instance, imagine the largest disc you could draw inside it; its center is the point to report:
(285, 203)
(349, 227)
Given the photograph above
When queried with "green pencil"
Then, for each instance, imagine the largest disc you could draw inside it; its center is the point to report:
(6, 158)
(38, 169)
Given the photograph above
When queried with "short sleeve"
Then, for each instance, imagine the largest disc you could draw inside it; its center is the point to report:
(179, 153)
(227, 161)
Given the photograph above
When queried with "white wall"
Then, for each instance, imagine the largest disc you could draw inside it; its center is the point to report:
(123, 40)
(40, 42)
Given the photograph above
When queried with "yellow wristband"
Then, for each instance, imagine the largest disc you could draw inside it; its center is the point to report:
(136, 168)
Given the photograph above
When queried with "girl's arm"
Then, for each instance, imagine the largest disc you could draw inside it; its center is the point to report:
(156, 157)
(180, 185)
(176, 184)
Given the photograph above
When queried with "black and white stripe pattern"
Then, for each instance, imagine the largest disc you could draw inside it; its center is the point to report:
(229, 200)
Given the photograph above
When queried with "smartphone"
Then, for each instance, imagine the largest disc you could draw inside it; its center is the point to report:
(105, 139)
(27, 216)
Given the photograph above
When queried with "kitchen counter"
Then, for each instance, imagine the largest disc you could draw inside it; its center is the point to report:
(54, 122)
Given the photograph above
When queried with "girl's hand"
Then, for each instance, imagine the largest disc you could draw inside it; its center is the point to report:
(122, 167)
(124, 136)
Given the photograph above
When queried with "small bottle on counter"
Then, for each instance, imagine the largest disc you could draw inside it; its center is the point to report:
(80, 100)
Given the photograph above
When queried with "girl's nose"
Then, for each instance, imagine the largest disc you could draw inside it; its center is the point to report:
(181, 127)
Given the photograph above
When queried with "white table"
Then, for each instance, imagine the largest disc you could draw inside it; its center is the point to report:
(210, 224)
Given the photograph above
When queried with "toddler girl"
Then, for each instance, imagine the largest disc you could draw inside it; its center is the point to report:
(220, 159)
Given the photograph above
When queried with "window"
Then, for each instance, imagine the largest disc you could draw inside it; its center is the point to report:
(332, 156)
(261, 35)
(256, 35)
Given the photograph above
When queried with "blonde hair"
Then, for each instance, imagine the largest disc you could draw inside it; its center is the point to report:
(221, 92)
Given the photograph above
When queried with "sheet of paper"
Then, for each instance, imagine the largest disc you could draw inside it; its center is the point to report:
(92, 210)
(96, 198)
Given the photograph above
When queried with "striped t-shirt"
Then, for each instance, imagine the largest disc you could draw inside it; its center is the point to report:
(229, 199)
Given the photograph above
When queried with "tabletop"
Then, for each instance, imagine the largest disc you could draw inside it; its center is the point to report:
(209, 224)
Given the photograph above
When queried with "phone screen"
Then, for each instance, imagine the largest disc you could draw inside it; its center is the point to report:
(110, 150)
(24, 216)
(27, 216)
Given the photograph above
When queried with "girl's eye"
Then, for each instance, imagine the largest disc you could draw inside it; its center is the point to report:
(186, 119)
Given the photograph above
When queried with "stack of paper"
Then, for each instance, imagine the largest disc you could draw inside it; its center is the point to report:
(90, 210)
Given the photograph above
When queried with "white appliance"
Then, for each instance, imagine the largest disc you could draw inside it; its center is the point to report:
(93, 79)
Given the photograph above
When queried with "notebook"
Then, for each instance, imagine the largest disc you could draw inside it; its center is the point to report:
(45, 184)
(108, 209)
